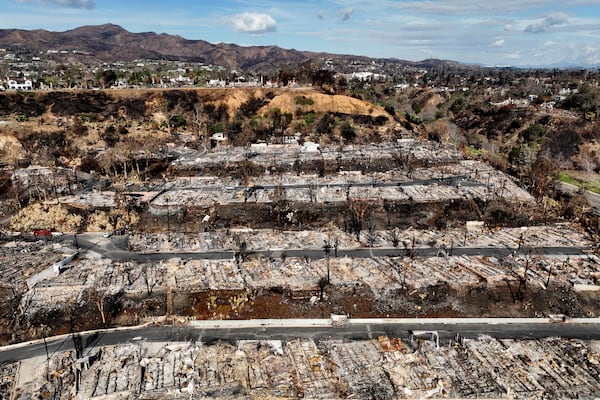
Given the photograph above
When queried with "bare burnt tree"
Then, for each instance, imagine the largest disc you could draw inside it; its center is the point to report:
(394, 237)
(390, 208)
(280, 205)
(150, 277)
(371, 234)
(541, 175)
(98, 297)
(358, 212)
(312, 193)
(323, 283)
(241, 251)
(131, 274)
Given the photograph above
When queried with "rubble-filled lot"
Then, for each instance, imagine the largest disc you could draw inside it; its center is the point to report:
(523, 270)
(257, 240)
(403, 151)
(381, 368)
(527, 247)
(462, 179)
(20, 260)
(235, 288)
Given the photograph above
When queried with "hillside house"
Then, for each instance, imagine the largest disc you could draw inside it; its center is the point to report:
(218, 138)
(310, 147)
(19, 84)
(120, 84)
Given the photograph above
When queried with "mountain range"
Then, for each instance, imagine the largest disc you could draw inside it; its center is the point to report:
(111, 43)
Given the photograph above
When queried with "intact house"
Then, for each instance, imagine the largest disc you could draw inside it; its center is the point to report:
(19, 84)
(310, 147)
(218, 138)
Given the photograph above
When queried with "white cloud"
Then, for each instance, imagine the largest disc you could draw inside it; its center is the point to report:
(345, 13)
(547, 23)
(514, 56)
(89, 4)
(589, 55)
(498, 43)
(470, 7)
(253, 23)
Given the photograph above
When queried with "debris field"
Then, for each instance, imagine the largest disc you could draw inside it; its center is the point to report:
(380, 368)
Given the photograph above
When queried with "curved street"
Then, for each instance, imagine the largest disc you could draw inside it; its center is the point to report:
(359, 329)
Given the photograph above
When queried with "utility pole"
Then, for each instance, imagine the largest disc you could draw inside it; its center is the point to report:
(335, 247)
(327, 249)
(47, 358)
(168, 219)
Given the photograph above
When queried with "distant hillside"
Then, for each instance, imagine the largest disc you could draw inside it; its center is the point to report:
(109, 43)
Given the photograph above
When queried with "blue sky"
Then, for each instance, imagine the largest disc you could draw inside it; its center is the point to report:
(507, 32)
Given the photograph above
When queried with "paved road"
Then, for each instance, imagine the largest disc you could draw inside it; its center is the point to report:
(592, 198)
(114, 248)
(356, 331)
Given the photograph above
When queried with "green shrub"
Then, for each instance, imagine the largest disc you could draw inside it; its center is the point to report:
(304, 101)
(177, 121)
(87, 118)
(415, 107)
(254, 121)
(218, 127)
(309, 118)
(533, 133)
(457, 104)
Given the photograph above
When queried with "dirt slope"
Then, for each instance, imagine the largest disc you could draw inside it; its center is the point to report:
(287, 102)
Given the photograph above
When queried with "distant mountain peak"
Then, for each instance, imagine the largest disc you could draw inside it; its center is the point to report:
(97, 28)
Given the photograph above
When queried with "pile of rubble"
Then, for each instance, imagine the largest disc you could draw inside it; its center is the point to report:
(382, 275)
(403, 151)
(263, 264)
(20, 260)
(302, 368)
(464, 179)
(257, 240)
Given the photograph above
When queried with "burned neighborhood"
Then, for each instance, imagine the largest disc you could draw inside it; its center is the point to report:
(350, 230)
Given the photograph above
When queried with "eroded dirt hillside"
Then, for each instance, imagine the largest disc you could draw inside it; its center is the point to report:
(139, 103)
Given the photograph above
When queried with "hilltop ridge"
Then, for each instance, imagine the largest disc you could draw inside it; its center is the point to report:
(110, 42)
